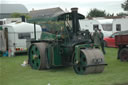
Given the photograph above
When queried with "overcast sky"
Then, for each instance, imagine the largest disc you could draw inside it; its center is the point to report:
(111, 6)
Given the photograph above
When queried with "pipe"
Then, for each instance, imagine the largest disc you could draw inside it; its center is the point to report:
(35, 30)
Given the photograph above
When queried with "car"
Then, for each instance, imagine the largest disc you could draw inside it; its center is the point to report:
(110, 41)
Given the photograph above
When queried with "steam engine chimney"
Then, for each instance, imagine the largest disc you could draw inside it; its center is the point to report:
(75, 22)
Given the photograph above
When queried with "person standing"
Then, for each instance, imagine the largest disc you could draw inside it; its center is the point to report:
(101, 36)
(96, 38)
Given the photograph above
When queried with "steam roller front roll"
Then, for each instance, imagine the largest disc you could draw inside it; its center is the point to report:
(91, 61)
(37, 56)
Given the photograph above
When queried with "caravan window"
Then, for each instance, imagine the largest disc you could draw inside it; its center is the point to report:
(107, 27)
(24, 36)
(1, 23)
(118, 27)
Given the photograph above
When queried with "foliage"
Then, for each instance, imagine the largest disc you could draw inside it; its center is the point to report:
(96, 13)
(122, 14)
(17, 15)
(12, 73)
(110, 15)
(125, 5)
(99, 13)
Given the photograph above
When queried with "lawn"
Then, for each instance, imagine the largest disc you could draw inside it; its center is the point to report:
(12, 73)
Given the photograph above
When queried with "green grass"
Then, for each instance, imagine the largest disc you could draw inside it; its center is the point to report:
(12, 73)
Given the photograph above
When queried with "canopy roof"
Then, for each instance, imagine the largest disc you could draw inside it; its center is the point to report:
(59, 17)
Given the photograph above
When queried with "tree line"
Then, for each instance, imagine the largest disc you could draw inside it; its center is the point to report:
(102, 13)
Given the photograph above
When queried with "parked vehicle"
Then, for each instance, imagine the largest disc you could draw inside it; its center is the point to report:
(9, 20)
(67, 47)
(104, 24)
(120, 24)
(15, 36)
(107, 26)
(110, 41)
(122, 43)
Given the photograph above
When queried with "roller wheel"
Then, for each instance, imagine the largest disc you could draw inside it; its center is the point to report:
(80, 67)
(91, 61)
(124, 54)
(37, 56)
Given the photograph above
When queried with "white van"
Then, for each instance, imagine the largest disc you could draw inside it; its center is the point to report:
(104, 24)
(18, 33)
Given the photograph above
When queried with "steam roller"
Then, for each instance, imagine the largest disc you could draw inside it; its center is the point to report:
(68, 46)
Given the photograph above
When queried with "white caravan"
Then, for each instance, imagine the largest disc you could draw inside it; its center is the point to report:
(107, 26)
(104, 24)
(120, 24)
(9, 20)
(18, 34)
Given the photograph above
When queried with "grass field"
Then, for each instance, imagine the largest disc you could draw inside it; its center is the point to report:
(12, 73)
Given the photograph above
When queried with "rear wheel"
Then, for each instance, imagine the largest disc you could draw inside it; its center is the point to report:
(37, 56)
(123, 54)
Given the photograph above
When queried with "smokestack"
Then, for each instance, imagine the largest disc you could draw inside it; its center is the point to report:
(75, 22)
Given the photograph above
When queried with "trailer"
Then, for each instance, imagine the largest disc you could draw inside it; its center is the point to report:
(107, 26)
(15, 35)
(104, 24)
(122, 43)
(9, 20)
(120, 24)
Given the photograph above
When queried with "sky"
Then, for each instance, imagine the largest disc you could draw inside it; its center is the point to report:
(110, 6)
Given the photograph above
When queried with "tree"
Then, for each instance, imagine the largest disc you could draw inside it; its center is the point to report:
(125, 5)
(17, 15)
(122, 14)
(110, 15)
(96, 13)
